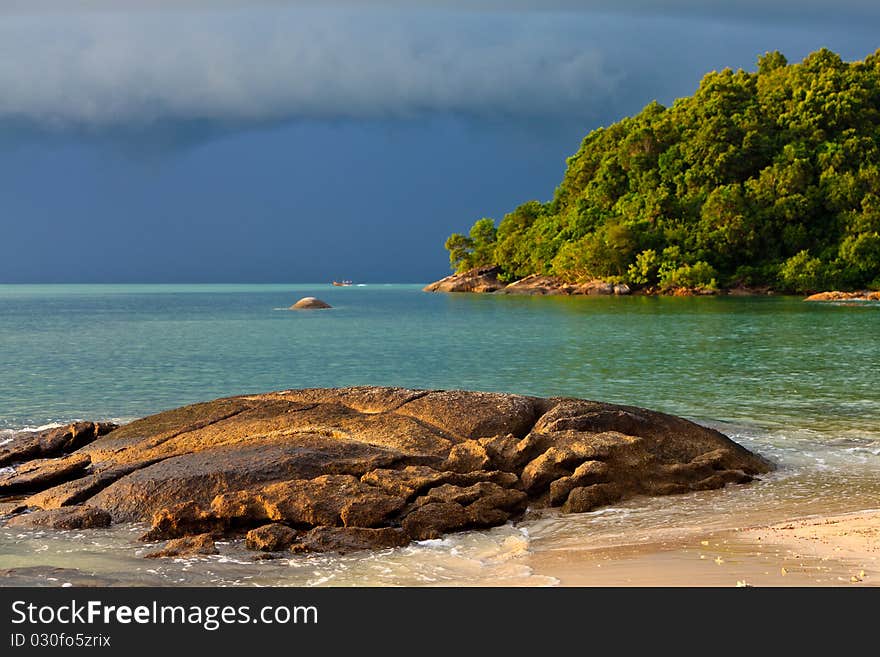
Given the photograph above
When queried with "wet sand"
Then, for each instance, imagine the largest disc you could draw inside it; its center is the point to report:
(839, 550)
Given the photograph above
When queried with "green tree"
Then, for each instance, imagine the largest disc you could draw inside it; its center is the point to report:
(733, 183)
(460, 250)
(802, 273)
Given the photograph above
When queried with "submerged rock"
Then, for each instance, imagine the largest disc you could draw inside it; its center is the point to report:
(310, 303)
(357, 468)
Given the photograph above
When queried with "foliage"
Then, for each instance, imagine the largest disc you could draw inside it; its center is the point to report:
(765, 178)
(802, 273)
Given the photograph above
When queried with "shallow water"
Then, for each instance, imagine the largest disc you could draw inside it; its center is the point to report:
(796, 382)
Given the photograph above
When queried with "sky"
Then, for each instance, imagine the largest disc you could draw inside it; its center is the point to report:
(296, 141)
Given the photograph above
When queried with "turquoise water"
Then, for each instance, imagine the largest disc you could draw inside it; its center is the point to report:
(795, 381)
(122, 351)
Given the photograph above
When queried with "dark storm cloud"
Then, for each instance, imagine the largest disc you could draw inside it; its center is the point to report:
(797, 10)
(97, 63)
(240, 65)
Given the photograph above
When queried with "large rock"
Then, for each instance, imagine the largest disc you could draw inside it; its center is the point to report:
(355, 468)
(310, 303)
(479, 279)
(845, 296)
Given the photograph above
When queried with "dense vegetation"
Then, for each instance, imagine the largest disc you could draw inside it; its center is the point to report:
(768, 178)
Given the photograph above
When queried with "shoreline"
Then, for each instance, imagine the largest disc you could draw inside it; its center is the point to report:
(485, 280)
(827, 550)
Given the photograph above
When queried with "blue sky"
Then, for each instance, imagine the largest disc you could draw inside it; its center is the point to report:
(297, 141)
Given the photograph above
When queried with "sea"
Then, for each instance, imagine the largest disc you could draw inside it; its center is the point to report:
(794, 381)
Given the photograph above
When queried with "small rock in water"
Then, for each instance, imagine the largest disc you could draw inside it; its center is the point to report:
(185, 547)
(310, 303)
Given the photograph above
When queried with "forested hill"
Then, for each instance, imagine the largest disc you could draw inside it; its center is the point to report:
(767, 178)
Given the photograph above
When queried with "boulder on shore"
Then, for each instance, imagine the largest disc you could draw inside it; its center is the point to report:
(485, 279)
(367, 467)
(310, 303)
(479, 279)
(864, 295)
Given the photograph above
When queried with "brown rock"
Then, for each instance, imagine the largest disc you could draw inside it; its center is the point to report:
(845, 296)
(310, 303)
(538, 285)
(187, 546)
(270, 538)
(180, 520)
(204, 472)
(479, 279)
(507, 452)
(586, 474)
(349, 539)
(587, 498)
(467, 457)
(74, 492)
(435, 519)
(473, 415)
(53, 442)
(43, 472)
(69, 517)
(12, 507)
(381, 462)
(594, 288)
(406, 482)
(329, 500)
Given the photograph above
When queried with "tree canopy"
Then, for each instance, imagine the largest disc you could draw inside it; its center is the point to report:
(765, 178)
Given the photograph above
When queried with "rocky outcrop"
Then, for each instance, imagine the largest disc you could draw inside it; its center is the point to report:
(479, 279)
(40, 473)
(310, 303)
(53, 442)
(538, 285)
(358, 468)
(864, 295)
(485, 279)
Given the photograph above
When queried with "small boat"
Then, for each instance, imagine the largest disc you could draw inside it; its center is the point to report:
(342, 283)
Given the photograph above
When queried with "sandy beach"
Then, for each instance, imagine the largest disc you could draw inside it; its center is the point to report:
(837, 550)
